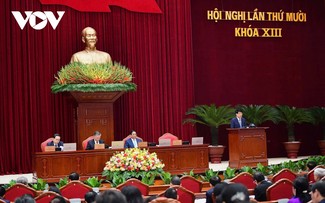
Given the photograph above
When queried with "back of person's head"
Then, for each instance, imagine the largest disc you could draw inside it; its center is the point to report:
(58, 199)
(2, 191)
(214, 180)
(74, 176)
(132, 194)
(235, 193)
(111, 196)
(311, 165)
(164, 200)
(176, 180)
(150, 198)
(320, 187)
(25, 199)
(258, 177)
(319, 172)
(171, 193)
(301, 187)
(22, 180)
(55, 189)
(90, 197)
(217, 190)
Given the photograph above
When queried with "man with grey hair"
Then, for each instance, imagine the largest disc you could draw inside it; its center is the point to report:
(96, 140)
(90, 54)
(22, 180)
(319, 173)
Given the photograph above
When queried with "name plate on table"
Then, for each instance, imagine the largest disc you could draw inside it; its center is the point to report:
(68, 147)
(117, 144)
(177, 142)
(197, 140)
(143, 144)
(49, 149)
(99, 146)
(164, 142)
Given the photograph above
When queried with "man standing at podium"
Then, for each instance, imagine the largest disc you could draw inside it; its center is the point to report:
(238, 121)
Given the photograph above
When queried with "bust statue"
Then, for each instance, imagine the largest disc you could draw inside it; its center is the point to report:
(90, 54)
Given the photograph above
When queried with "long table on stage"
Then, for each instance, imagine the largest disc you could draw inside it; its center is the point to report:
(52, 166)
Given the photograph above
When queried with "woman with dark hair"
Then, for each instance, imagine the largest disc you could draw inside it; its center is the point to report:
(132, 194)
(300, 191)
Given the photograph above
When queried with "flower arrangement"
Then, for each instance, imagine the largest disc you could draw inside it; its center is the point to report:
(133, 163)
(93, 77)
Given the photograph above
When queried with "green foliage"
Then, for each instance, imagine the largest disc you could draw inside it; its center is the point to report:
(247, 169)
(318, 114)
(320, 160)
(273, 169)
(263, 169)
(166, 177)
(40, 185)
(93, 87)
(229, 173)
(290, 165)
(211, 116)
(11, 183)
(291, 116)
(259, 114)
(93, 182)
(62, 182)
(209, 174)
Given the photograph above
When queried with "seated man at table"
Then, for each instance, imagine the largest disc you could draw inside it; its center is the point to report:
(96, 140)
(57, 143)
(133, 141)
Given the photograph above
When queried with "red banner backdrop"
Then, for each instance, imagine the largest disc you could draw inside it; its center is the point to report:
(156, 47)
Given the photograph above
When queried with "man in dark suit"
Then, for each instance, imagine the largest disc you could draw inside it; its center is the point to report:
(213, 182)
(261, 187)
(96, 140)
(133, 141)
(57, 143)
(238, 121)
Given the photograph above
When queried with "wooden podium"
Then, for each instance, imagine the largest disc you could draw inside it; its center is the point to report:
(95, 112)
(247, 147)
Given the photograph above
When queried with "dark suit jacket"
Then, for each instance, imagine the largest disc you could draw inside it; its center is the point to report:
(91, 144)
(208, 195)
(260, 190)
(60, 144)
(235, 124)
(129, 144)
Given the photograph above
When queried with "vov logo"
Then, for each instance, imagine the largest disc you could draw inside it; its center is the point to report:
(38, 19)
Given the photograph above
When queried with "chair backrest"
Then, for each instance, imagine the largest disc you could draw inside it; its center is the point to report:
(18, 190)
(310, 175)
(85, 142)
(184, 195)
(46, 197)
(191, 184)
(75, 189)
(169, 136)
(245, 179)
(2, 201)
(284, 173)
(44, 144)
(144, 189)
(280, 190)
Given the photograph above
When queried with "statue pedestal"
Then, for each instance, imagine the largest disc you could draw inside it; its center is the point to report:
(95, 112)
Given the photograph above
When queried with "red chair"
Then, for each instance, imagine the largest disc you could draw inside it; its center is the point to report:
(169, 136)
(184, 195)
(18, 190)
(310, 175)
(191, 184)
(144, 189)
(245, 179)
(85, 142)
(75, 189)
(44, 144)
(46, 197)
(284, 173)
(280, 190)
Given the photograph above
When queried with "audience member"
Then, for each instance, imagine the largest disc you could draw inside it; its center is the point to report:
(90, 197)
(318, 192)
(111, 196)
(261, 186)
(171, 193)
(132, 194)
(22, 180)
(25, 199)
(235, 193)
(73, 176)
(213, 181)
(96, 140)
(55, 189)
(150, 198)
(217, 190)
(300, 191)
(2, 193)
(58, 199)
(175, 180)
(164, 200)
(319, 173)
(311, 165)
